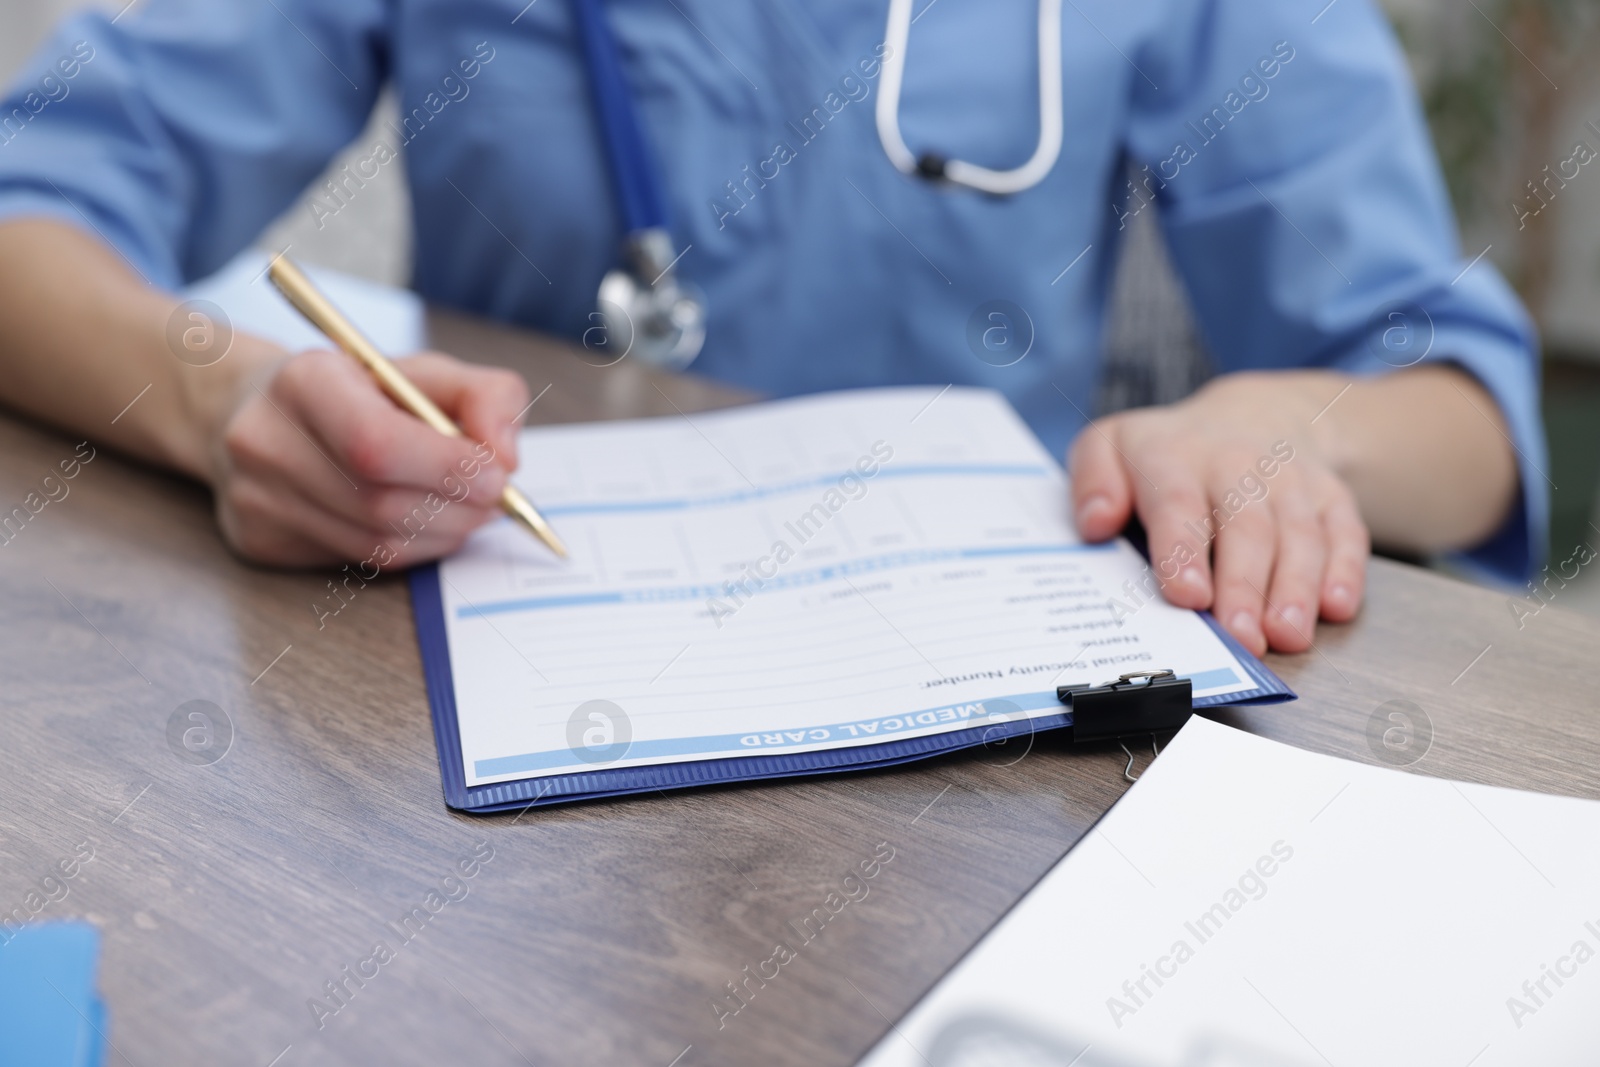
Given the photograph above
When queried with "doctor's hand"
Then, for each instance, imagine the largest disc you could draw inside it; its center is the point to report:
(1245, 512)
(314, 464)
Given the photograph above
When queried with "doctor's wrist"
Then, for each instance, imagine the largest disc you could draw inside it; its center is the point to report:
(210, 396)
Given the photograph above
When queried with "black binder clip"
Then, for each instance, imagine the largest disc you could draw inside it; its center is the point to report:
(1136, 705)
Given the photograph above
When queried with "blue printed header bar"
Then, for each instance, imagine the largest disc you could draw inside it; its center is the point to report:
(996, 711)
(740, 496)
(893, 561)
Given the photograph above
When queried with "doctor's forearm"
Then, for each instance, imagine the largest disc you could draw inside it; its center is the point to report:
(308, 460)
(83, 345)
(1425, 450)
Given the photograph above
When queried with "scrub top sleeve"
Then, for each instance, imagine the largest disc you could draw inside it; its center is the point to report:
(178, 131)
(1305, 210)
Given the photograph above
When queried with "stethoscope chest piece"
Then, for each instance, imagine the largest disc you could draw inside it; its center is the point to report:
(647, 311)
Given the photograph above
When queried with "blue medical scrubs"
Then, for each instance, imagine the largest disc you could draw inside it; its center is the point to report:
(1281, 138)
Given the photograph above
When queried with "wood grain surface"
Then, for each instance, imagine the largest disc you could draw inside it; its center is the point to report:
(231, 892)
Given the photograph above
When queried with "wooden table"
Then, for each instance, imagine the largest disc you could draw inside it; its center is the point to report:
(230, 892)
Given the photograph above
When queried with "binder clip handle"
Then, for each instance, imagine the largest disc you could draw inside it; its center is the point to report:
(1136, 705)
(1150, 677)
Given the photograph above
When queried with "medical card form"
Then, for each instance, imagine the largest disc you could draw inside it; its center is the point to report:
(798, 586)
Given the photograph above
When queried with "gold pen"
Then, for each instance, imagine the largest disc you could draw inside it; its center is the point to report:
(310, 302)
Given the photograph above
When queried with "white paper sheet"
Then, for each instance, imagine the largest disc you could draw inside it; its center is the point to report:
(813, 573)
(1249, 904)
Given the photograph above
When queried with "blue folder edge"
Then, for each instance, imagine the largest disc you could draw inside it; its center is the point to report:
(428, 606)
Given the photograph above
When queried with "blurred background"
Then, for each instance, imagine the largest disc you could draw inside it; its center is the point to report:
(1513, 98)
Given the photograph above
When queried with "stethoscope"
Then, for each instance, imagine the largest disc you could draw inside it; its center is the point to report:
(645, 309)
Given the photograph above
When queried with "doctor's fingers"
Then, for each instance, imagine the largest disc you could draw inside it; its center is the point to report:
(1319, 548)
(488, 403)
(1244, 551)
(398, 514)
(1295, 595)
(1171, 497)
(275, 453)
(1349, 548)
(275, 524)
(1102, 498)
(332, 401)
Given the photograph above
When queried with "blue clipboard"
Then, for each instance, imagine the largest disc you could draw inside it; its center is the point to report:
(428, 606)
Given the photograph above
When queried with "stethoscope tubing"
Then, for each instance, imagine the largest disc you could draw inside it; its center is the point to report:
(642, 304)
(634, 171)
(640, 189)
(897, 34)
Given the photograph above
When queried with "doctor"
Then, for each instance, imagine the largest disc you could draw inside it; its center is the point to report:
(796, 196)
